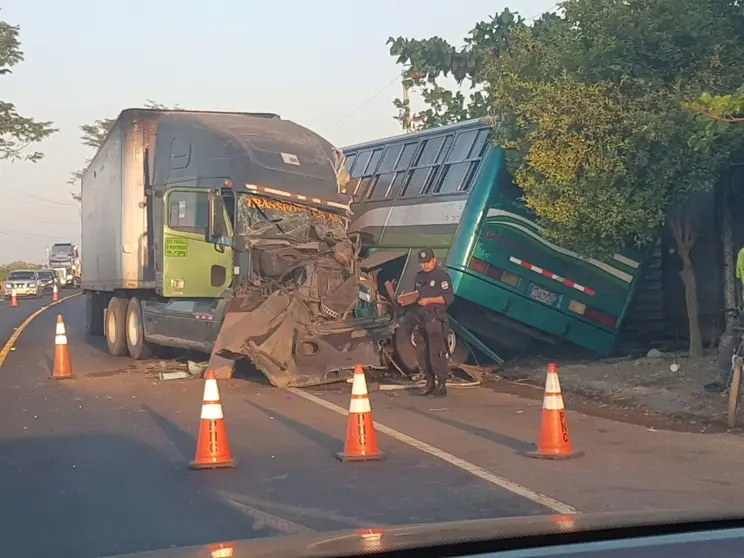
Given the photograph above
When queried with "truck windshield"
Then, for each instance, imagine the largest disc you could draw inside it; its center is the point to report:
(61, 250)
(258, 216)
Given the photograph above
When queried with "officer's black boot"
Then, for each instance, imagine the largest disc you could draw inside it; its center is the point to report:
(429, 388)
(441, 389)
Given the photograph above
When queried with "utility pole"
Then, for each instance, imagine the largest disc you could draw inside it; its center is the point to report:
(406, 103)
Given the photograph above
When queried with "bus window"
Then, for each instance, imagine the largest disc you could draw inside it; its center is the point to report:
(386, 172)
(479, 145)
(462, 147)
(373, 162)
(406, 157)
(462, 162)
(424, 167)
(440, 157)
(360, 164)
(349, 162)
(362, 187)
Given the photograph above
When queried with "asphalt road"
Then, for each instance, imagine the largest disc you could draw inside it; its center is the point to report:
(97, 465)
(11, 318)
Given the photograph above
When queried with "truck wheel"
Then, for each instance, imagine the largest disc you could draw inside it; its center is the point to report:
(458, 350)
(405, 350)
(139, 349)
(116, 317)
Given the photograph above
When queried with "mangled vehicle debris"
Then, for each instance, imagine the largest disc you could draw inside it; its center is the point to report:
(298, 314)
(228, 237)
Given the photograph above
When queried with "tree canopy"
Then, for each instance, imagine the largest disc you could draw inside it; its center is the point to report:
(590, 104)
(17, 132)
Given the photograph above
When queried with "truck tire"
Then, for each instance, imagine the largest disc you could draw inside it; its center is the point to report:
(405, 348)
(116, 320)
(139, 349)
(94, 307)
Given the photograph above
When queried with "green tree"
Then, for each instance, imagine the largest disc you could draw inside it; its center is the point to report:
(715, 116)
(427, 61)
(17, 132)
(94, 134)
(589, 104)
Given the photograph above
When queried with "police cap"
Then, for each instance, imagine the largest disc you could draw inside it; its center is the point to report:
(425, 255)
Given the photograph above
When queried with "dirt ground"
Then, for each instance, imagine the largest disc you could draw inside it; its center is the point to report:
(648, 390)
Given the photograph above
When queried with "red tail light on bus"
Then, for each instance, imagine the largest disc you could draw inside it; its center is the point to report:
(602, 318)
(484, 268)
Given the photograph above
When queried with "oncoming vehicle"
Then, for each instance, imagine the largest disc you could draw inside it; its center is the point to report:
(229, 238)
(64, 258)
(448, 189)
(25, 282)
(48, 278)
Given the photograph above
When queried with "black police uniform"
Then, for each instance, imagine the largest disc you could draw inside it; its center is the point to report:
(432, 326)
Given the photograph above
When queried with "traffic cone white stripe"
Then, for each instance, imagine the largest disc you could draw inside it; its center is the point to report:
(60, 328)
(552, 383)
(359, 387)
(60, 339)
(222, 553)
(211, 392)
(212, 411)
(360, 405)
(553, 402)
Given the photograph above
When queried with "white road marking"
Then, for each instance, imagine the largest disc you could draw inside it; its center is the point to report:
(471, 468)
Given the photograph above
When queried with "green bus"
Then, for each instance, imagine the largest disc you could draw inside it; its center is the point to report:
(448, 189)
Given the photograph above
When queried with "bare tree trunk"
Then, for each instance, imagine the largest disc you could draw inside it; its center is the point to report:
(685, 238)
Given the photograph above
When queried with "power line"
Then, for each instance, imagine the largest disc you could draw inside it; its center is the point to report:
(365, 103)
(37, 197)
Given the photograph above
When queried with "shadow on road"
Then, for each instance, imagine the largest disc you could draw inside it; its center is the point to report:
(328, 443)
(101, 495)
(184, 442)
(519, 446)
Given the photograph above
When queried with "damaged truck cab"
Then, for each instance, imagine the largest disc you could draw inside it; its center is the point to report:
(225, 233)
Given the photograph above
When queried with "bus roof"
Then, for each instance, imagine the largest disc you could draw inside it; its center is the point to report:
(473, 123)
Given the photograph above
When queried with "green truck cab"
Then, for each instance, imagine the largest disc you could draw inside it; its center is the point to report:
(225, 233)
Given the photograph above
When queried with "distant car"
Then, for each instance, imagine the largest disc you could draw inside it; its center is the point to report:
(48, 278)
(26, 282)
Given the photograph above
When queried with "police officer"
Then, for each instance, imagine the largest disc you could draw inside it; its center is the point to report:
(434, 287)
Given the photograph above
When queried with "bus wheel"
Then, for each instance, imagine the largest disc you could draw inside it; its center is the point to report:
(139, 349)
(116, 315)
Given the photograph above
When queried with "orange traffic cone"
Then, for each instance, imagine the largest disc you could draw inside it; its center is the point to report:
(554, 441)
(62, 366)
(13, 298)
(212, 445)
(55, 293)
(361, 439)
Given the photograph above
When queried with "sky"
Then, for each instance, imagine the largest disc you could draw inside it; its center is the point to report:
(322, 64)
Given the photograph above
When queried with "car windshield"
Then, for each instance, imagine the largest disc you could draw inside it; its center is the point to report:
(46, 275)
(21, 275)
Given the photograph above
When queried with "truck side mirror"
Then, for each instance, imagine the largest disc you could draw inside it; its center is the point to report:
(216, 217)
